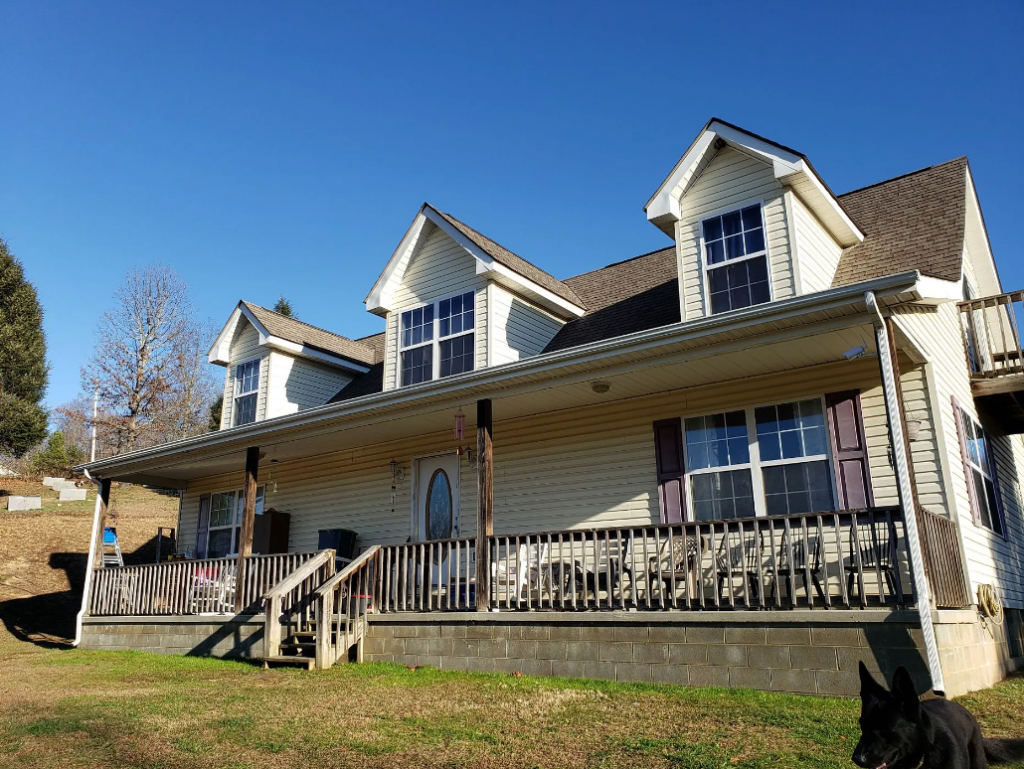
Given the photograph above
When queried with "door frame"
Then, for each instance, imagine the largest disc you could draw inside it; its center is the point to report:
(417, 524)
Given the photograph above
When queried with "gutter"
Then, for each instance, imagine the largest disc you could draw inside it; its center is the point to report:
(93, 540)
(637, 342)
(894, 413)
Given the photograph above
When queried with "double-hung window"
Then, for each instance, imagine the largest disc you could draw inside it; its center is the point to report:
(247, 385)
(226, 521)
(978, 462)
(781, 467)
(438, 339)
(736, 259)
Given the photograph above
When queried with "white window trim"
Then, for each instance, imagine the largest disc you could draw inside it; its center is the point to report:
(986, 473)
(235, 395)
(235, 526)
(435, 341)
(705, 268)
(756, 465)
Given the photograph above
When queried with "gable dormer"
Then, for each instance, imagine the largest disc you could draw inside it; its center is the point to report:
(276, 365)
(752, 222)
(456, 301)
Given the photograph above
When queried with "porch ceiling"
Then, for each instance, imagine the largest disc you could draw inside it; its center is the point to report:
(779, 347)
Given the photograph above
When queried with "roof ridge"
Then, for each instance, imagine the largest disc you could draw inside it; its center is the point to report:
(902, 176)
(302, 322)
(621, 261)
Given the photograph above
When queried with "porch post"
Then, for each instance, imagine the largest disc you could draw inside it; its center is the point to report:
(252, 466)
(484, 502)
(885, 344)
(99, 519)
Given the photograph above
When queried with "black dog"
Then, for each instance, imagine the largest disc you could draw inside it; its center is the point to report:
(899, 731)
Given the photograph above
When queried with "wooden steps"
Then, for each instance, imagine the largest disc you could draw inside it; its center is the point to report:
(284, 659)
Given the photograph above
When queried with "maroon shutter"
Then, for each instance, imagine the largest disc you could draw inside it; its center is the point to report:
(958, 415)
(668, 448)
(203, 528)
(849, 450)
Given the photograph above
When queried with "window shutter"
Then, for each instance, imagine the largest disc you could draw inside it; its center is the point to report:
(668, 448)
(203, 527)
(849, 450)
(990, 451)
(958, 415)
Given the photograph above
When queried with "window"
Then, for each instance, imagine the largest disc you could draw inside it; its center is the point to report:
(781, 468)
(736, 259)
(978, 466)
(793, 445)
(247, 384)
(438, 340)
(222, 539)
(713, 443)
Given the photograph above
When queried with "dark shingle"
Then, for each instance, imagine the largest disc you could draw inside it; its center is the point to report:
(303, 333)
(912, 222)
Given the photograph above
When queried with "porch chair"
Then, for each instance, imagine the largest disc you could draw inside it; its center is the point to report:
(212, 593)
(521, 577)
(803, 562)
(874, 540)
(741, 554)
(679, 561)
(612, 560)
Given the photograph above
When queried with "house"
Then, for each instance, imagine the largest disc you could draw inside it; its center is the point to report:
(787, 442)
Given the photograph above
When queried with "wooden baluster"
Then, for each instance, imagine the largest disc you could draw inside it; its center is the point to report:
(859, 559)
(823, 565)
(807, 562)
(787, 542)
(839, 556)
(953, 547)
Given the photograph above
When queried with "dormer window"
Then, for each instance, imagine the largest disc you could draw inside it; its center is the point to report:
(438, 339)
(736, 260)
(247, 384)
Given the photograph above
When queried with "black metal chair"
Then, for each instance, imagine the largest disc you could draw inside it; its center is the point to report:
(875, 541)
(802, 565)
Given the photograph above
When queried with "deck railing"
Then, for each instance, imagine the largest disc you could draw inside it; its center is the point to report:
(843, 559)
(943, 561)
(204, 586)
(991, 331)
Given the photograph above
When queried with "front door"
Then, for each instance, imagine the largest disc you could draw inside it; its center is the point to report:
(437, 498)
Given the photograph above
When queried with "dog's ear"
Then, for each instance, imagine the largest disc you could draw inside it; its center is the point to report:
(869, 687)
(905, 692)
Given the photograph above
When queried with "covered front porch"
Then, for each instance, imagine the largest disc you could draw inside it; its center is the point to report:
(559, 504)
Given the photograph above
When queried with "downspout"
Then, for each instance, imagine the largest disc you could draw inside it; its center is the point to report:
(93, 540)
(906, 490)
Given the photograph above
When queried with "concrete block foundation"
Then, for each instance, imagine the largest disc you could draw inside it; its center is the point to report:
(240, 636)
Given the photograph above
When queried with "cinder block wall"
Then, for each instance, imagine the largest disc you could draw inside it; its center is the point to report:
(811, 652)
(202, 636)
(975, 654)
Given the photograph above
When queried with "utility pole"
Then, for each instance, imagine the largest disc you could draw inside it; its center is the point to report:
(95, 409)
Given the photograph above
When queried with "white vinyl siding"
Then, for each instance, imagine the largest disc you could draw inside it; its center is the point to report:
(576, 468)
(731, 180)
(294, 384)
(518, 329)
(439, 268)
(245, 346)
(991, 559)
(817, 252)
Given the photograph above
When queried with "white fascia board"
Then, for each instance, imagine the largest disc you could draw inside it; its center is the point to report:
(976, 235)
(220, 352)
(890, 287)
(379, 299)
(843, 227)
(305, 351)
(499, 273)
(663, 203)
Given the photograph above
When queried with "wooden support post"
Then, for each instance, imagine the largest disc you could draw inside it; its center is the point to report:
(484, 502)
(252, 466)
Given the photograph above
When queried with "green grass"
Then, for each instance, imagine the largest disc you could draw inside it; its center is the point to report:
(76, 708)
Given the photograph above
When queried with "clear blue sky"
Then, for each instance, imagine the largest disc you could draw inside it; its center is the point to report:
(264, 148)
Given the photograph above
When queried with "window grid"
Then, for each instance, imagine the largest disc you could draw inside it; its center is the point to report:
(736, 259)
(222, 533)
(247, 383)
(438, 339)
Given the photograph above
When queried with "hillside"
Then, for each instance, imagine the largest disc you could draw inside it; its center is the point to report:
(42, 553)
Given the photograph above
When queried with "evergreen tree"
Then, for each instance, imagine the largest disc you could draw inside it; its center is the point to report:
(23, 369)
(216, 408)
(284, 307)
(58, 457)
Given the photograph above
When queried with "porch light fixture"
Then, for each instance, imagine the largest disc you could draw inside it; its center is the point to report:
(600, 387)
(460, 425)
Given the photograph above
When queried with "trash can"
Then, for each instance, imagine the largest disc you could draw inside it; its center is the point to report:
(342, 541)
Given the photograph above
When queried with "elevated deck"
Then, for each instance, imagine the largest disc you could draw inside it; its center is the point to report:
(992, 344)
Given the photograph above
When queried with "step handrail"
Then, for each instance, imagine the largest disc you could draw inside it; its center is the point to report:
(274, 596)
(345, 573)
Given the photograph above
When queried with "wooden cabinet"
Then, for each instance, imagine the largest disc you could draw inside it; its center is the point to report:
(270, 532)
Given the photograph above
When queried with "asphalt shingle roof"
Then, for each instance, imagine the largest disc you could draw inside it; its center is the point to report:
(302, 333)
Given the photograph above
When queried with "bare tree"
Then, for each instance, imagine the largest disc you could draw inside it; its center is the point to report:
(146, 363)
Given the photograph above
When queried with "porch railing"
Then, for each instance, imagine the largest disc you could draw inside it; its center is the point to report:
(992, 336)
(843, 559)
(205, 586)
(943, 561)
(291, 605)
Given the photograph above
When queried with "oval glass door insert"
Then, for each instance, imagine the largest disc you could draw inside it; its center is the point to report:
(439, 506)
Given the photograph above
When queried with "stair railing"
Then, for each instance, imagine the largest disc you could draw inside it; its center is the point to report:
(343, 602)
(292, 601)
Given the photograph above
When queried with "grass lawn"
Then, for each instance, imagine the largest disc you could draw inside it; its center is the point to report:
(61, 708)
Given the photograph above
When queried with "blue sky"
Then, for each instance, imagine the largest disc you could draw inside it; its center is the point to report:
(264, 148)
